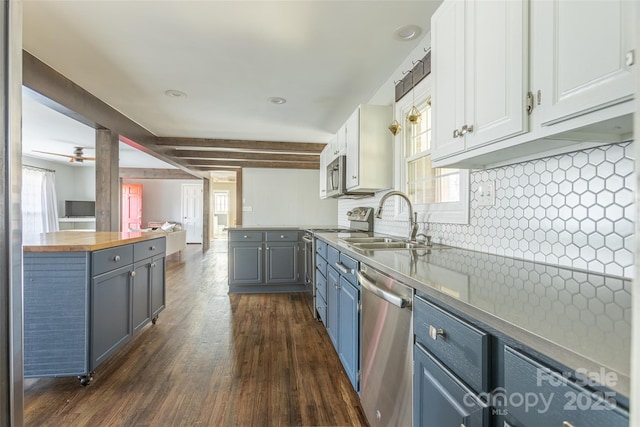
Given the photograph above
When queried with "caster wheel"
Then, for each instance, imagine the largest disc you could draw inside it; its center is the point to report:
(154, 320)
(85, 380)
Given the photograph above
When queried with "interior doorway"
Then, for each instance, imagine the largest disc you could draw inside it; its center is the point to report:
(224, 206)
(131, 218)
(192, 212)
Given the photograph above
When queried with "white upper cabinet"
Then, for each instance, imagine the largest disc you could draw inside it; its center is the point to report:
(581, 56)
(369, 149)
(479, 54)
(520, 79)
(325, 155)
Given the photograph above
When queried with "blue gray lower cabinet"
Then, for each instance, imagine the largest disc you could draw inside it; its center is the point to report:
(342, 310)
(265, 261)
(80, 307)
(440, 398)
(463, 376)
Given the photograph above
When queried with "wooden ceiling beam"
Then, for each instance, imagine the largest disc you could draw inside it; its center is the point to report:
(139, 173)
(294, 147)
(195, 154)
(230, 164)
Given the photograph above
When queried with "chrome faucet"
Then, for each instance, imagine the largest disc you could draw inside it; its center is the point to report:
(413, 217)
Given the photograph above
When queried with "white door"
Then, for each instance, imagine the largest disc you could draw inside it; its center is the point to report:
(192, 212)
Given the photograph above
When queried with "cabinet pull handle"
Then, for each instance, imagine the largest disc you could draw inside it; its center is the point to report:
(435, 332)
(245, 236)
(343, 269)
(353, 177)
(456, 133)
(259, 249)
(567, 424)
(152, 248)
(116, 258)
(282, 236)
(153, 264)
(133, 274)
(466, 129)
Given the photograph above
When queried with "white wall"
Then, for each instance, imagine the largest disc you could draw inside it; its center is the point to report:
(161, 198)
(285, 197)
(76, 182)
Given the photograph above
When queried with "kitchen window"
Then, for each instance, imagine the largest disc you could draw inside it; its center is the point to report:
(441, 194)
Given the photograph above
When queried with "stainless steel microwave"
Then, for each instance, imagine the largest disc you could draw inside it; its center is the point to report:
(336, 177)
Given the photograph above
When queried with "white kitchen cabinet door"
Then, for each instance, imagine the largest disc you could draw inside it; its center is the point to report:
(579, 56)
(447, 64)
(324, 156)
(352, 127)
(340, 147)
(496, 70)
(480, 72)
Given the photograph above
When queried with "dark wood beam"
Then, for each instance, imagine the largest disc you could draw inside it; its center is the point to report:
(229, 164)
(231, 155)
(294, 147)
(53, 89)
(138, 173)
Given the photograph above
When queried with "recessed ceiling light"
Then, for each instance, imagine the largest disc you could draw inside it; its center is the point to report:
(172, 93)
(407, 32)
(277, 100)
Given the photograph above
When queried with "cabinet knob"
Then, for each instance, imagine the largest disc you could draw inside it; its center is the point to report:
(435, 332)
(245, 236)
(153, 264)
(456, 133)
(567, 424)
(259, 249)
(152, 248)
(282, 236)
(116, 258)
(353, 177)
(133, 274)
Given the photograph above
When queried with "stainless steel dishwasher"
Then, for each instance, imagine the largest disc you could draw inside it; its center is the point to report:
(387, 343)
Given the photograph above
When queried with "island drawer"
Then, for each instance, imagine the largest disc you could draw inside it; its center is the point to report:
(283, 236)
(551, 399)
(321, 265)
(348, 268)
(245, 236)
(109, 259)
(459, 345)
(149, 248)
(321, 248)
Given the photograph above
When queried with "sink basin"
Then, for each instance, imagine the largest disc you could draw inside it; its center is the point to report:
(394, 245)
(358, 240)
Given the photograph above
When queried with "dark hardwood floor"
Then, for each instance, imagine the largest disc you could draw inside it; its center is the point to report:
(212, 359)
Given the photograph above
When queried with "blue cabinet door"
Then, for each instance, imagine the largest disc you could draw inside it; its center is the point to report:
(349, 331)
(333, 298)
(282, 263)
(440, 399)
(245, 263)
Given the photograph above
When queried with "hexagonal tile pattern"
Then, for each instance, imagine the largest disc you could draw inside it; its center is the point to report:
(572, 209)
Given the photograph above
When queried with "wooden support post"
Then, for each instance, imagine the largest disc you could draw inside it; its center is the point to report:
(107, 181)
(206, 214)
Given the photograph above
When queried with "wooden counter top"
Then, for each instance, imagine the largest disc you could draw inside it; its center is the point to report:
(83, 241)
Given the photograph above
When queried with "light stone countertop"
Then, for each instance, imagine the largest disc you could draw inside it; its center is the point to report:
(580, 319)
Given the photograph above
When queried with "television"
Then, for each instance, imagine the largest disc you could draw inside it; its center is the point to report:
(78, 208)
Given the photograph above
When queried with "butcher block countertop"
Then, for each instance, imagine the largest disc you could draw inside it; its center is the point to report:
(83, 241)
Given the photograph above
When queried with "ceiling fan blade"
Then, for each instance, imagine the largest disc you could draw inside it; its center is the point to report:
(88, 158)
(54, 154)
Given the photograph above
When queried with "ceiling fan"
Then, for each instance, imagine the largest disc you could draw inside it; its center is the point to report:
(77, 157)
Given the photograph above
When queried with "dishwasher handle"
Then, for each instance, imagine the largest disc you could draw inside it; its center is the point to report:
(390, 297)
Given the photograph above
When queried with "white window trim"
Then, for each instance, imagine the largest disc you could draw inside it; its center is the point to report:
(450, 213)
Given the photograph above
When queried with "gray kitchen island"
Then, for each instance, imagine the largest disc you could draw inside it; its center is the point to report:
(85, 295)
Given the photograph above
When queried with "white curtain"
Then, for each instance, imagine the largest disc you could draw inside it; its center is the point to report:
(39, 201)
(49, 202)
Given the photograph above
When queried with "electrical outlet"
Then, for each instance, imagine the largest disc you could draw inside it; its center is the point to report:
(486, 194)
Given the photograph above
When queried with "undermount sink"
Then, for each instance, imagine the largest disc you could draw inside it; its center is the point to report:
(360, 240)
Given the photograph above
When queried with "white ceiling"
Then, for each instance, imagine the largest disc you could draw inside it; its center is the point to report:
(325, 57)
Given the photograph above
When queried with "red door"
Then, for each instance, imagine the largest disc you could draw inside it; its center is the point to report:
(131, 207)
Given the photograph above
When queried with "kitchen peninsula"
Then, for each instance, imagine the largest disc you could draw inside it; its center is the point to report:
(85, 295)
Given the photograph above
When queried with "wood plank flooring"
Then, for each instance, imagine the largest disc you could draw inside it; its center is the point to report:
(212, 359)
